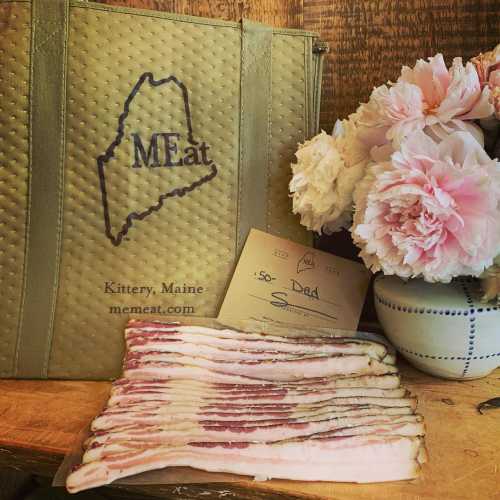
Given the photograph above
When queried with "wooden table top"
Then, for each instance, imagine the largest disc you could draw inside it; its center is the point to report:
(41, 419)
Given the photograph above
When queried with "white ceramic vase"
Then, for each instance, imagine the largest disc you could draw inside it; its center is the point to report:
(442, 329)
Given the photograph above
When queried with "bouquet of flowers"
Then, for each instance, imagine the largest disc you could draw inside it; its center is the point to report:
(414, 173)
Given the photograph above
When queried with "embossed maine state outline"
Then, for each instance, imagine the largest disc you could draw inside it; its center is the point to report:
(103, 159)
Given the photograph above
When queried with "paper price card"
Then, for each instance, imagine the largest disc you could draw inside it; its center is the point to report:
(278, 280)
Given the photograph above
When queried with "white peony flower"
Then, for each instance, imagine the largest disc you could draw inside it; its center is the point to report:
(324, 177)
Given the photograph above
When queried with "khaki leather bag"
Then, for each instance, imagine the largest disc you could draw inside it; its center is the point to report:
(137, 149)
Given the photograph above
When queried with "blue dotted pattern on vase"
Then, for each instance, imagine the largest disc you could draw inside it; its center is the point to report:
(472, 325)
(471, 313)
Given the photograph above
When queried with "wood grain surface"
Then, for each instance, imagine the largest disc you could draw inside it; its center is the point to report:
(41, 420)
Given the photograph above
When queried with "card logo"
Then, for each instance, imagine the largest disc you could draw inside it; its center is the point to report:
(157, 154)
(306, 262)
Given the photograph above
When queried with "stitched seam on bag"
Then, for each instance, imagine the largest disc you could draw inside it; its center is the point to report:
(192, 19)
(318, 73)
(293, 32)
(28, 204)
(62, 143)
(158, 15)
(269, 138)
(242, 140)
(307, 128)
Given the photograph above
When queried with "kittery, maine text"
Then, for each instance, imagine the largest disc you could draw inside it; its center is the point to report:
(171, 288)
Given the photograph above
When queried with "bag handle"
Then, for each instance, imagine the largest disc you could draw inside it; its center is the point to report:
(45, 187)
(255, 127)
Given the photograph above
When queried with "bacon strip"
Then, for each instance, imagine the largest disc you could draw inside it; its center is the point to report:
(280, 370)
(100, 446)
(298, 368)
(391, 381)
(230, 348)
(137, 328)
(283, 396)
(331, 459)
(104, 421)
(254, 409)
(397, 426)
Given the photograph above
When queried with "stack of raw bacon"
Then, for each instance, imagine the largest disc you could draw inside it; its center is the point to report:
(314, 409)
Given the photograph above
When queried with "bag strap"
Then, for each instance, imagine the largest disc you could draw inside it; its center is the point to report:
(255, 128)
(45, 186)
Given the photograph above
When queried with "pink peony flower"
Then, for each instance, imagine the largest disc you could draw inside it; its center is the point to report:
(428, 96)
(431, 211)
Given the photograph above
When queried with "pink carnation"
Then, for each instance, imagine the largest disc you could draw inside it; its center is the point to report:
(431, 211)
(426, 96)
